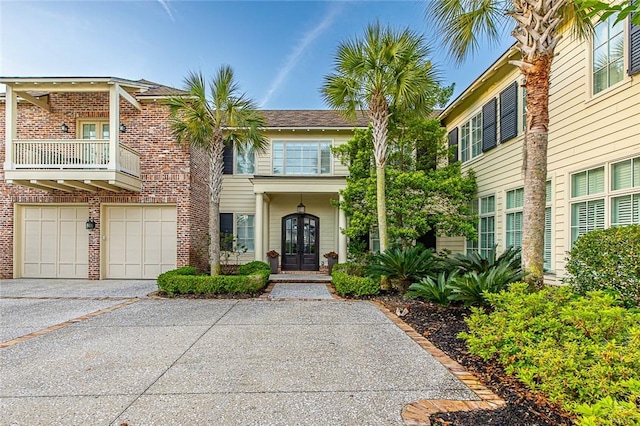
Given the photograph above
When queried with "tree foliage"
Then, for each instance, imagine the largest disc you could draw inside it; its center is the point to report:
(605, 9)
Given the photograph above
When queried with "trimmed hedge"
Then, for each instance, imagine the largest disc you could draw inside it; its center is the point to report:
(607, 260)
(252, 278)
(353, 285)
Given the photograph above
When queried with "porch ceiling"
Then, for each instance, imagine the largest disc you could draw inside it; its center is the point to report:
(90, 181)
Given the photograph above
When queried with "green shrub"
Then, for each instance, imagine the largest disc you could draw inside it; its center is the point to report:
(351, 268)
(184, 281)
(438, 291)
(475, 261)
(575, 349)
(352, 285)
(473, 287)
(607, 260)
(253, 267)
(405, 265)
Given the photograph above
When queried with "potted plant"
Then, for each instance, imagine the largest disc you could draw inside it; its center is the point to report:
(273, 260)
(332, 259)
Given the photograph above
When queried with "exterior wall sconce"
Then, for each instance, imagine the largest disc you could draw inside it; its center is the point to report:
(90, 225)
(64, 128)
(123, 128)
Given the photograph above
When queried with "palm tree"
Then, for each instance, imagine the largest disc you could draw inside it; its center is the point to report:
(463, 24)
(210, 122)
(383, 72)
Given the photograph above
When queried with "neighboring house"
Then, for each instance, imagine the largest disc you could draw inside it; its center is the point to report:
(65, 170)
(97, 152)
(282, 199)
(594, 144)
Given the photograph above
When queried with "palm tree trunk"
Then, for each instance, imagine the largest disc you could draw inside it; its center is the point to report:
(380, 120)
(215, 189)
(535, 168)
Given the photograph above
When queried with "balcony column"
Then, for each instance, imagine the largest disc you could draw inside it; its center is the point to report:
(342, 238)
(11, 112)
(114, 125)
(259, 225)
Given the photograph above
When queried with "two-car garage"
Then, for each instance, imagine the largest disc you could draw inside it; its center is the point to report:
(136, 241)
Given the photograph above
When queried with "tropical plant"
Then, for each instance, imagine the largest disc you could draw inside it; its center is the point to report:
(211, 121)
(472, 288)
(384, 72)
(405, 265)
(604, 9)
(475, 261)
(439, 291)
(538, 26)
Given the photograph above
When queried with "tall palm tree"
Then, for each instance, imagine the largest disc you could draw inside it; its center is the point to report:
(211, 121)
(538, 27)
(383, 72)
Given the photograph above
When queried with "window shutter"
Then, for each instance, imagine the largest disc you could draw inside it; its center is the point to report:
(489, 136)
(634, 48)
(509, 112)
(226, 229)
(547, 239)
(453, 142)
(228, 159)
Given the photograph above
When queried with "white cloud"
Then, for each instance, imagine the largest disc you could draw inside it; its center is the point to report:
(167, 8)
(297, 52)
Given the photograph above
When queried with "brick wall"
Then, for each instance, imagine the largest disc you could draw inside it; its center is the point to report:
(170, 174)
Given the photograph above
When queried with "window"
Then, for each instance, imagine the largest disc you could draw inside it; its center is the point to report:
(301, 158)
(587, 215)
(245, 230)
(608, 51)
(245, 161)
(486, 208)
(94, 129)
(625, 177)
(471, 138)
(514, 219)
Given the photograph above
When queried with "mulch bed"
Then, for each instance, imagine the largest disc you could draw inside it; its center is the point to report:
(441, 325)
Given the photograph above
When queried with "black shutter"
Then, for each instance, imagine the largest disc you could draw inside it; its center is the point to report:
(509, 112)
(489, 130)
(453, 142)
(634, 48)
(228, 159)
(226, 231)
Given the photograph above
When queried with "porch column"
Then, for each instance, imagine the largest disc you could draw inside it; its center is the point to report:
(11, 112)
(342, 239)
(259, 226)
(114, 127)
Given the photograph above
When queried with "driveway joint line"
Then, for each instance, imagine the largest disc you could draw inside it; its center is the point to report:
(67, 323)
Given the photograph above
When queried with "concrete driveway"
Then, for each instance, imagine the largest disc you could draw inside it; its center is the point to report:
(129, 359)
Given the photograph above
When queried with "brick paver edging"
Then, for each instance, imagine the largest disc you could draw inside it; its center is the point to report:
(65, 324)
(418, 412)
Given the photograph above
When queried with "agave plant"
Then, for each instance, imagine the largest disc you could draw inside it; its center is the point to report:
(407, 266)
(438, 291)
(472, 287)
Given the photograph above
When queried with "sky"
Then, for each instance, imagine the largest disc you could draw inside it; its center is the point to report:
(280, 51)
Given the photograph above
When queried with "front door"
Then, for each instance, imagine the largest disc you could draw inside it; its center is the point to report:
(300, 240)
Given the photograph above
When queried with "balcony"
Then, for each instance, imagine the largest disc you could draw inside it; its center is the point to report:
(72, 164)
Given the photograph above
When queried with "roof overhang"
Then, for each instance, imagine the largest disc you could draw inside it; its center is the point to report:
(70, 84)
(298, 184)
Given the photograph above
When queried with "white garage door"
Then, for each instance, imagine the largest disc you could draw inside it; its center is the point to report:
(141, 241)
(54, 242)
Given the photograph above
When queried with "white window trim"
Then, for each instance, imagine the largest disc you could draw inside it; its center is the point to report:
(626, 79)
(99, 122)
(468, 121)
(294, 139)
(235, 228)
(478, 201)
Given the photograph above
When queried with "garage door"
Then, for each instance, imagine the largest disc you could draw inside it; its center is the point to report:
(54, 242)
(140, 241)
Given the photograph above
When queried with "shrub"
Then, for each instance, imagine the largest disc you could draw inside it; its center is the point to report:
(578, 350)
(477, 262)
(438, 291)
(473, 287)
(405, 265)
(351, 268)
(607, 260)
(353, 285)
(252, 279)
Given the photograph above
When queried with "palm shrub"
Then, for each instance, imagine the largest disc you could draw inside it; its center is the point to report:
(404, 265)
(477, 262)
(439, 290)
(472, 288)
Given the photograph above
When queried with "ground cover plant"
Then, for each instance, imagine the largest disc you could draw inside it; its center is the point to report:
(252, 278)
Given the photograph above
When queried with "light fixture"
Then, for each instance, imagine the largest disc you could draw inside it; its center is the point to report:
(301, 207)
(123, 128)
(64, 128)
(90, 225)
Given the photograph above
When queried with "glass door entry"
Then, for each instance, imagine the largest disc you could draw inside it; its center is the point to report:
(300, 242)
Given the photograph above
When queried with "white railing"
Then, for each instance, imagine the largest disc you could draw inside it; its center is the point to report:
(71, 154)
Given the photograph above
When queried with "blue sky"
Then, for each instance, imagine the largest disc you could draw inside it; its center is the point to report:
(280, 50)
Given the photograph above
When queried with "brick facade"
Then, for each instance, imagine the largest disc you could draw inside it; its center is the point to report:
(170, 173)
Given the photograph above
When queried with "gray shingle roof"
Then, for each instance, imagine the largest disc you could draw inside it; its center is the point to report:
(292, 118)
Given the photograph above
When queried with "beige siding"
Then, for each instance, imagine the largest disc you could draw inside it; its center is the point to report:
(585, 131)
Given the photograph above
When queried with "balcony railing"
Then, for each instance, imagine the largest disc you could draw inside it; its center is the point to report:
(72, 154)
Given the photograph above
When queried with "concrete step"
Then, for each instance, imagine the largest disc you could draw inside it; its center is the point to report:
(300, 278)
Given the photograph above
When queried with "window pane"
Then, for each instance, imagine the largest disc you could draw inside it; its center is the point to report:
(579, 184)
(625, 210)
(548, 194)
(616, 72)
(88, 131)
(622, 176)
(636, 172)
(245, 161)
(245, 230)
(596, 181)
(278, 158)
(105, 131)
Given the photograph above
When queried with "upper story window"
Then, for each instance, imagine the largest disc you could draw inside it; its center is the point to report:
(94, 129)
(608, 54)
(301, 157)
(245, 161)
(471, 138)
